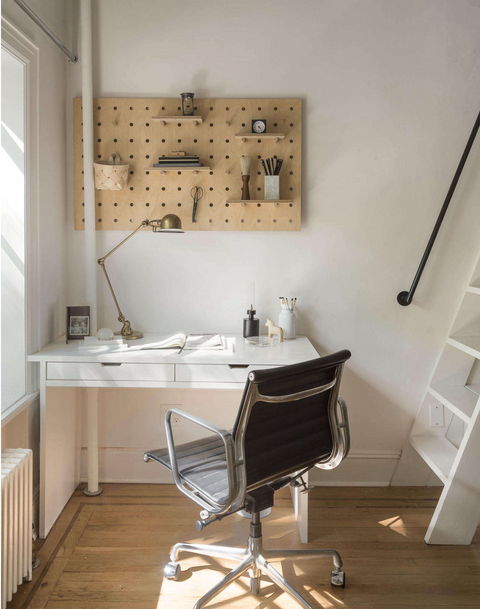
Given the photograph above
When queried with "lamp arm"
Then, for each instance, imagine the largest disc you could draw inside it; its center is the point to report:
(126, 330)
(142, 225)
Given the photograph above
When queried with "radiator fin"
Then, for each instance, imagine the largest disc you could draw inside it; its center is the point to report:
(17, 518)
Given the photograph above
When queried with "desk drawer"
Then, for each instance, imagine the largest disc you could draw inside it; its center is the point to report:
(96, 371)
(221, 373)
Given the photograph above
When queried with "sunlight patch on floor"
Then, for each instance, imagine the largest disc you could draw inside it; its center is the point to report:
(395, 524)
(322, 598)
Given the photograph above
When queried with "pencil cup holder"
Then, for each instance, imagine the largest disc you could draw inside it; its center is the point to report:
(286, 321)
(272, 188)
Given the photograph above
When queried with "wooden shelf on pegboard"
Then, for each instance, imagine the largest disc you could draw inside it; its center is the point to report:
(162, 170)
(260, 202)
(276, 137)
(166, 120)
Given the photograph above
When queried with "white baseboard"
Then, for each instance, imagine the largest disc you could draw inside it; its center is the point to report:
(126, 465)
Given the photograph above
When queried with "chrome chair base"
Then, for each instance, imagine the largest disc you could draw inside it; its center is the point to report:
(256, 560)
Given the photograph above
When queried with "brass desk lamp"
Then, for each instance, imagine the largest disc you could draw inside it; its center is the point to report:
(168, 224)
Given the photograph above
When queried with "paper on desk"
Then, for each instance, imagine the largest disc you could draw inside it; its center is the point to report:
(205, 342)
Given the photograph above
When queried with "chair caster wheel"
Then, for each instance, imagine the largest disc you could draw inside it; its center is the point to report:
(337, 579)
(172, 571)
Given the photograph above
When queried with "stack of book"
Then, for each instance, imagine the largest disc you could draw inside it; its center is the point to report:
(178, 161)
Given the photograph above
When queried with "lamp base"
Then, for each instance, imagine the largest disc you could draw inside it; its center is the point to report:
(135, 334)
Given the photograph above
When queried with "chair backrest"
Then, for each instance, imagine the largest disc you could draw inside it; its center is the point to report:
(284, 425)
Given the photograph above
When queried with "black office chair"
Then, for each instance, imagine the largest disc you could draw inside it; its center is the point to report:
(290, 419)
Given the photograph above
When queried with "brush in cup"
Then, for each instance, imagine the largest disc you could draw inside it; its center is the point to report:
(245, 164)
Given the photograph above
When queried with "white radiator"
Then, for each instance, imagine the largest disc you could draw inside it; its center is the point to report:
(17, 492)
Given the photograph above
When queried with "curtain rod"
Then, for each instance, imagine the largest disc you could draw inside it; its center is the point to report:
(46, 29)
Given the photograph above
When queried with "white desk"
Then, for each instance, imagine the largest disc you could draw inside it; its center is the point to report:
(63, 365)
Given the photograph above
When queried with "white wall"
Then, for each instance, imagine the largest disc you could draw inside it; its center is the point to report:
(24, 429)
(390, 91)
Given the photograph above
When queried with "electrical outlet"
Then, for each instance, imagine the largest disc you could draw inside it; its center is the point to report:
(437, 415)
(175, 420)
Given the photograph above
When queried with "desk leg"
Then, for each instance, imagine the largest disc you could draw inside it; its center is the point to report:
(91, 399)
(42, 526)
(300, 505)
(59, 450)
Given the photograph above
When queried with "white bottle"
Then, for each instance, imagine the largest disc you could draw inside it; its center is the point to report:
(286, 321)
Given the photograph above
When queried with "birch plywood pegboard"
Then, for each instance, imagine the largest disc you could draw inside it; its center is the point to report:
(125, 126)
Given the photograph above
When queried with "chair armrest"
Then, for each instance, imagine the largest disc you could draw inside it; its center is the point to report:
(233, 485)
(341, 434)
(344, 425)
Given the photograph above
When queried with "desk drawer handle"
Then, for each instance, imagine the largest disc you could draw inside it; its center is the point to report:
(234, 366)
(110, 364)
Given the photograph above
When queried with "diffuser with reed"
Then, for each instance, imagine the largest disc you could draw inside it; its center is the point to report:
(245, 164)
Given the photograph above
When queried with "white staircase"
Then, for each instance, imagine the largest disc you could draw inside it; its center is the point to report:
(452, 450)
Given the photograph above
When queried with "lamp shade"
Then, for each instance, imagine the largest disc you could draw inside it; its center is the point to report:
(171, 224)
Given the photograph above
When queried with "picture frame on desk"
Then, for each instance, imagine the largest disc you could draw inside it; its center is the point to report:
(78, 323)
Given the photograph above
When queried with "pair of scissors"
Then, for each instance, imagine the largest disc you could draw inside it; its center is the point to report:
(196, 193)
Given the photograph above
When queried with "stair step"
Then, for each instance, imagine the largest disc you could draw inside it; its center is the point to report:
(473, 289)
(437, 452)
(459, 399)
(468, 344)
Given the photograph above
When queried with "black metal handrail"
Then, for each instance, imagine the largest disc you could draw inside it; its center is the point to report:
(405, 298)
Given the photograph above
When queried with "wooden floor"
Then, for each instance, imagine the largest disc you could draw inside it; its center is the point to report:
(108, 552)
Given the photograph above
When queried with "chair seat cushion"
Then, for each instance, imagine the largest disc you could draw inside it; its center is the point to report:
(202, 465)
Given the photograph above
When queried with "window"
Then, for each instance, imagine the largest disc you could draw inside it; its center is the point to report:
(12, 163)
(18, 216)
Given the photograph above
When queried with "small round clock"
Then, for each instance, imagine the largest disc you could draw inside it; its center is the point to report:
(259, 126)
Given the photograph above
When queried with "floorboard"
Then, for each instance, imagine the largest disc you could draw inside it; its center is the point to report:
(108, 552)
